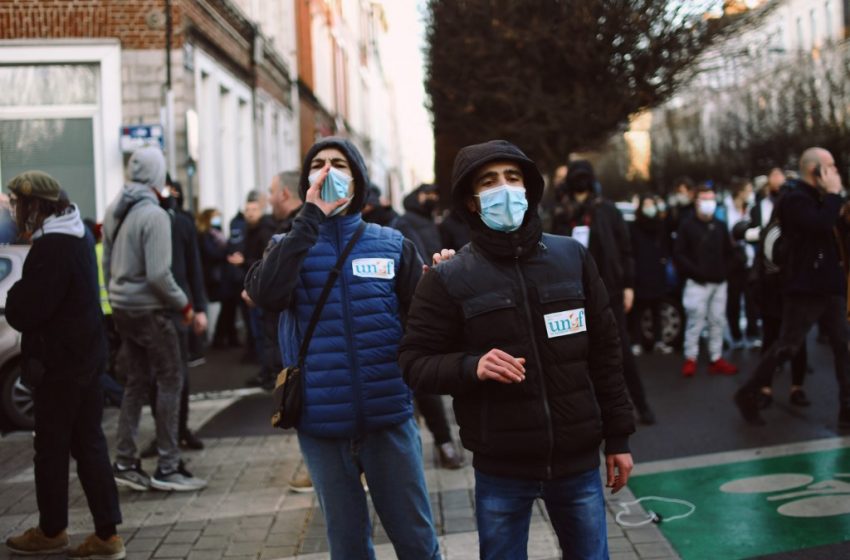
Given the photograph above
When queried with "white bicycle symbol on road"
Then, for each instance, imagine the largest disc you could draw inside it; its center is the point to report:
(821, 499)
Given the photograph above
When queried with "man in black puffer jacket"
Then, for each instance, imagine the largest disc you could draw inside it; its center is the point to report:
(518, 328)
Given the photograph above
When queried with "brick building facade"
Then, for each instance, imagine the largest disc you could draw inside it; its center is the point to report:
(225, 76)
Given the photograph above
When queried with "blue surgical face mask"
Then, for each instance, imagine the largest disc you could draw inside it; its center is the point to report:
(334, 187)
(650, 212)
(503, 208)
(216, 222)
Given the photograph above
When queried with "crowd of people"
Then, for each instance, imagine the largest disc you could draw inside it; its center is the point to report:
(530, 318)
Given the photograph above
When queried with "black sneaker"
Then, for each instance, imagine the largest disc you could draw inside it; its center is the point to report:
(188, 440)
(764, 400)
(131, 477)
(748, 407)
(798, 398)
(180, 480)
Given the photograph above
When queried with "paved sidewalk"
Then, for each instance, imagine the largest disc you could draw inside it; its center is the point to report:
(247, 511)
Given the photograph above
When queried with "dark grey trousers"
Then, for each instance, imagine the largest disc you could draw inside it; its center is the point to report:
(152, 355)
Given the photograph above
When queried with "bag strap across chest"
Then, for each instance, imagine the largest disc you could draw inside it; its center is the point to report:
(329, 284)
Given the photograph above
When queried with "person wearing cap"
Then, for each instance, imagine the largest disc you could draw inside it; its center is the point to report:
(55, 306)
(518, 328)
(144, 294)
(357, 415)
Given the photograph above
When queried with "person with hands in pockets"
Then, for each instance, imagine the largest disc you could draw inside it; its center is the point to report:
(357, 414)
(518, 328)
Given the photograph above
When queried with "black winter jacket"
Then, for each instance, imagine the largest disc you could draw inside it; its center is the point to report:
(609, 245)
(651, 247)
(703, 251)
(512, 291)
(186, 260)
(418, 226)
(809, 219)
(56, 306)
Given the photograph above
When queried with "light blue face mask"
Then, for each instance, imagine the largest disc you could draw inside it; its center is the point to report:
(503, 208)
(334, 187)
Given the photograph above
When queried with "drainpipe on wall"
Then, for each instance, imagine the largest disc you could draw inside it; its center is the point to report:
(170, 135)
(256, 59)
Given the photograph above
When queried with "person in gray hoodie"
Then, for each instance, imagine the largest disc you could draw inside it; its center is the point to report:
(144, 294)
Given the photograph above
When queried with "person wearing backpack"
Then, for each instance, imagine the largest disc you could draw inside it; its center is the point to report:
(813, 280)
(764, 230)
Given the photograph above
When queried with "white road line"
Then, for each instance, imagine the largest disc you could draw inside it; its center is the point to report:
(696, 461)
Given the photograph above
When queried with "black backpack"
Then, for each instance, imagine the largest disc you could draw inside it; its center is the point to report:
(772, 245)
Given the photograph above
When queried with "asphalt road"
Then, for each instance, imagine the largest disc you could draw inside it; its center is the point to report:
(696, 416)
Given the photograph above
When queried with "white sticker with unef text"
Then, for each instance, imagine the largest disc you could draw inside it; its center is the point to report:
(565, 322)
(374, 268)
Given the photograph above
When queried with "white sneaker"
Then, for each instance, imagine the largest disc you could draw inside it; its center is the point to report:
(663, 348)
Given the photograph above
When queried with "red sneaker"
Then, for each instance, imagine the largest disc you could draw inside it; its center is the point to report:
(689, 369)
(722, 367)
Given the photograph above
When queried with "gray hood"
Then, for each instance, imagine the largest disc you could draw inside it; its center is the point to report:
(147, 167)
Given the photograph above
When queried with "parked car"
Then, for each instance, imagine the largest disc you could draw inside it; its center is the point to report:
(15, 399)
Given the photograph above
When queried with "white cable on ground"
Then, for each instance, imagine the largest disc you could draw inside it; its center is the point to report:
(653, 517)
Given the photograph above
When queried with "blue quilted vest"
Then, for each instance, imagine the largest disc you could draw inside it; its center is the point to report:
(352, 381)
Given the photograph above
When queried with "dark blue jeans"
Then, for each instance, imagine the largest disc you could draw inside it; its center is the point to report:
(576, 508)
(392, 462)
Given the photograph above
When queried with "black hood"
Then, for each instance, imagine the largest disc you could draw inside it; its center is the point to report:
(471, 158)
(355, 161)
(580, 177)
(411, 201)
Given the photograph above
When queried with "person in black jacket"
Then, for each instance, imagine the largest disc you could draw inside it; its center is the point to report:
(417, 225)
(56, 307)
(769, 294)
(519, 329)
(703, 252)
(454, 232)
(815, 280)
(651, 247)
(259, 229)
(598, 225)
(188, 273)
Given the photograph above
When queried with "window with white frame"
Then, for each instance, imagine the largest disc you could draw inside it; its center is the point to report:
(226, 168)
(60, 112)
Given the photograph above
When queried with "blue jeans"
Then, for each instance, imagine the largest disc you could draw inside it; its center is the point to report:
(576, 508)
(392, 462)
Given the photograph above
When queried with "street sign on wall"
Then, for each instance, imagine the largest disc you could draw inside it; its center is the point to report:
(137, 136)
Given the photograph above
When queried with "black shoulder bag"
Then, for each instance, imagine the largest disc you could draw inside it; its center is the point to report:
(288, 394)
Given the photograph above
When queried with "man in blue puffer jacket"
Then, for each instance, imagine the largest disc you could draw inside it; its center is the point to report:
(358, 412)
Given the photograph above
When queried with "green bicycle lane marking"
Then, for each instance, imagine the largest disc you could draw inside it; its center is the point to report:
(753, 507)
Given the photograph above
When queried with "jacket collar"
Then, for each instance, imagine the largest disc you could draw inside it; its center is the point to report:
(519, 244)
(340, 225)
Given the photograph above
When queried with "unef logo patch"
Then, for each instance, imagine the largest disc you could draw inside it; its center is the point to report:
(374, 268)
(565, 322)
